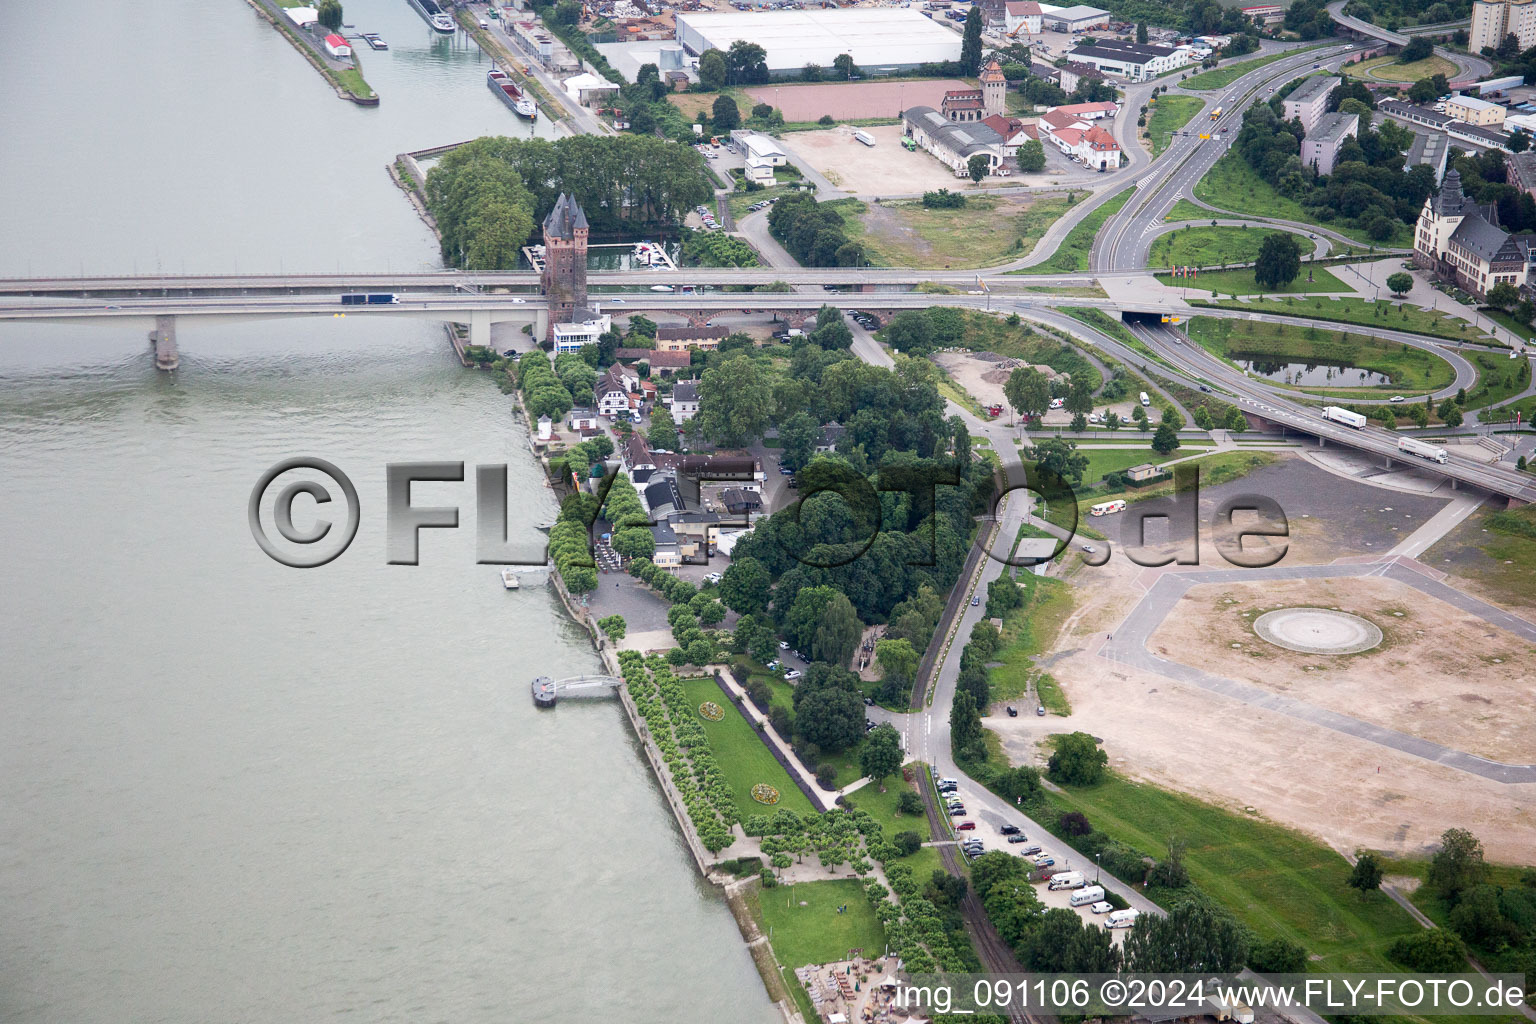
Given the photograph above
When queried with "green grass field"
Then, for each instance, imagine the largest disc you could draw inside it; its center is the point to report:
(1170, 113)
(1186, 210)
(1276, 881)
(805, 927)
(1072, 255)
(1220, 78)
(1387, 69)
(1208, 247)
(1217, 468)
(1498, 377)
(987, 230)
(883, 807)
(1026, 632)
(1403, 317)
(1241, 282)
(742, 756)
(1232, 185)
(1410, 369)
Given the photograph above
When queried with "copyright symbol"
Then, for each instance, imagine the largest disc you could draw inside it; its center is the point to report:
(282, 513)
(1113, 993)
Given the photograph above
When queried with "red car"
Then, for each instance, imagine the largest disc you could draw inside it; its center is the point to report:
(966, 826)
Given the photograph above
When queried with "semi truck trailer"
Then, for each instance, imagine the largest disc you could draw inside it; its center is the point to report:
(1344, 416)
(1412, 446)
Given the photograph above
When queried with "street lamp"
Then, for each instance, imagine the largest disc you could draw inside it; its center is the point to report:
(1096, 867)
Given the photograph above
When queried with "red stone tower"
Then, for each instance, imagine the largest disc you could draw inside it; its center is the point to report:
(565, 262)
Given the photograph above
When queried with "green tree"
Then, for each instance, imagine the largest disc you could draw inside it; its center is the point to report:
(1019, 783)
(838, 634)
(845, 66)
(712, 70)
(1028, 391)
(811, 73)
(1431, 951)
(1077, 760)
(1202, 417)
(899, 661)
(1278, 956)
(1235, 420)
(964, 722)
(907, 843)
(1192, 937)
(614, 626)
(1279, 261)
(1519, 141)
(724, 115)
(1503, 295)
(1031, 156)
(1141, 33)
(1400, 283)
(828, 710)
(1366, 874)
(1450, 413)
(881, 754)
(662, 433)
(1417, 49)
(1457, 865)
(735, 401)
(1061, 457)
(1165, 440)
(745, 586)
(798, 435)
(329, 13)
(970, 44)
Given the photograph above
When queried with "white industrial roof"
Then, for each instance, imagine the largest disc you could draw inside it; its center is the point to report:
(1078, 13)
(1473, 103)
(763, 146)
(873, 37)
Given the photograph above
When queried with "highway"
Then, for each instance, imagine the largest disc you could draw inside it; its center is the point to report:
(1469, 67)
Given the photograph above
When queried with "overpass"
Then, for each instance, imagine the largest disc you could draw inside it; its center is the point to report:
(1470, 68)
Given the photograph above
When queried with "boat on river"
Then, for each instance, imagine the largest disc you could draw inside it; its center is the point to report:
(435, 16)
(502, 85)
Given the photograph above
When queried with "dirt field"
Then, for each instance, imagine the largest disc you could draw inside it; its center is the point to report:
(982, 378)
(884, 170)
(852, 101)
(1351, 793)
(1417, 681)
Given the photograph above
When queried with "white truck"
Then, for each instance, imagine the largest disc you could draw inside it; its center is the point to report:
(864, 137)
(1233, 1011)
(1145, 400)
(1086, 895)
(1344, 416)
(1122, 918)
(1413, 446)
(1066, 880)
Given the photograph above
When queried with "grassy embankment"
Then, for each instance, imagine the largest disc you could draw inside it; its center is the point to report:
(1409, 368)
(1232, 185)
(350, 81)
(1027, 632)
(1220, 78)
(1387, 69)
(987, 230)
(1215, 469)
(1206, 246)
(743, 758)
(815, 933)
(1071, 255)
(1497, 549)
(1386, 315)
(1169, 113)
(1278, 882)
(1242, 282)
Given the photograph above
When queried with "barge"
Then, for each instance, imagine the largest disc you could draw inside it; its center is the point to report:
(502, 85)
(544, 691)
(435, 16)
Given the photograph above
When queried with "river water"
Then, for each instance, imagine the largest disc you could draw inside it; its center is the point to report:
(232, 791)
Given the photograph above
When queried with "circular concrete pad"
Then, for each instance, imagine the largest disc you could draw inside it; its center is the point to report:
(1317, 631)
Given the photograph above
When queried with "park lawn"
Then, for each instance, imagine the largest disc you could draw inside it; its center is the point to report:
(743, 758)
(1241, 282)
(1232, 185)
(1071, 255)
(1278, 882)
(1503, 562)
(1112, 460)
(1398, 316)
(882, 806)
(1387, 69)
(1409, 368)
(695, 103)
(1220, 78)
(1215, 468)
(804, 924)
(985, 231)
(1170, 113)
(1208, 247)
(1498, 377)
(1028, 631)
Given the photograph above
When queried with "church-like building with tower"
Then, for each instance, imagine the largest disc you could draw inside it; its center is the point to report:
(964, 105)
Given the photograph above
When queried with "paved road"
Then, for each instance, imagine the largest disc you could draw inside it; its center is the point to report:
(1468, 67)
(1130, 639)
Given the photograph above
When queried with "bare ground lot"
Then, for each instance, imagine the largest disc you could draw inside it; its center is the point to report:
(884, 169)
(982, 378)
(1439, 673)
(1350, 793)
(853, 101)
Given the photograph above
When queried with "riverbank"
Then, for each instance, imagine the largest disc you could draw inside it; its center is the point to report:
(349, 85)
(514, 67)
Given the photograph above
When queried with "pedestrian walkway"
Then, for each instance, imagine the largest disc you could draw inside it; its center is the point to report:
(772, 734)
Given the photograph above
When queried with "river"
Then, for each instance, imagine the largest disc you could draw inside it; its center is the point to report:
(233, 791)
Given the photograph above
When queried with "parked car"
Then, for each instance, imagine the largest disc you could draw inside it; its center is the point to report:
(1089, 548)
(1010, 830)
(793, 673)
(975, 600)
(773, 664)
(1017, 839)
(966, 826)
(783, 645)
(869, 702)
(1030, 850)
(1013, 712)
(1045, 860)
(955, 812)
(714, 577)
(1040, 710)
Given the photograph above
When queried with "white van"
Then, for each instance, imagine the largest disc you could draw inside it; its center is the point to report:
(1068, 880)
(1105, 508)
(1122, 918)
(1102, 907)
(1144, 399)
(1086, 895)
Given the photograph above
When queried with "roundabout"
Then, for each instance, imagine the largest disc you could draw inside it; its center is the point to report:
(1317, 631)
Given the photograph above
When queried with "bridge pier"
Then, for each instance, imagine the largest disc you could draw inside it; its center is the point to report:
(163, 337)
(541, 323)
(480, 327)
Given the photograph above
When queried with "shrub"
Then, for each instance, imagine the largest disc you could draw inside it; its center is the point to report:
(909, 802)
(907, 843)
(825, 119)
(1074, 823)
(826, 775)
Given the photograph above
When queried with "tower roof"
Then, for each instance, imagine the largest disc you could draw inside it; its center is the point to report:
(565, 219)
(993, 72)
(1450, 200)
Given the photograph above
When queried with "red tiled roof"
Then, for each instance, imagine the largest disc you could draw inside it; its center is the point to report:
(1098, 138)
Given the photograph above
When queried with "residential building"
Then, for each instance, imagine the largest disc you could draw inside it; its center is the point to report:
(1320, 149)
(1022, 17)
(828, 436)
(950, 143)
(1520, 169)
(564, 277)
(1460, 241)
(676, 339)
(572, 335)
(667, 554)
(618, 392)
(1475, 111)
(685, 401)
(582, 420)
(1075, 74)
(1089, 111)
(1013, 131)
(1131, 61)
(1493, 20)
(1308, 102)
(659, 361)
(1431, 151)
(739, 500)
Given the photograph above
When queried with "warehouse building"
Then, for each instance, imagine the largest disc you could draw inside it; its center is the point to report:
(885, 40)
(950, 143)
(1080, 18)
(1131, 61)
